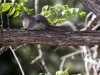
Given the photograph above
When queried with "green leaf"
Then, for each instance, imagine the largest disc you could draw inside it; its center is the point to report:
(82, 13)
(20, 1)
(50, 20)
(72, 10)
(58, 6)
(64, 12)
(77, 10)
(25, 0)
(41, 74)
(59, 72)
(16, 14)
(27, 9)
(18, 7)
(46, 13)
(51, 8)
(12, 11)
(45, 8)
(66, 7)
(5, 7)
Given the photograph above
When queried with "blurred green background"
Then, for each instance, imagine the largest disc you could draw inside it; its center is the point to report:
(8, 64)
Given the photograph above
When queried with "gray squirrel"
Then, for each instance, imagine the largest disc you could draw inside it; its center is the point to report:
(39, 22)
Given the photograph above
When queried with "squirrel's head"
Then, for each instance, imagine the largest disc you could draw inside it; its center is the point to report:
(26, 18)
(24, 14)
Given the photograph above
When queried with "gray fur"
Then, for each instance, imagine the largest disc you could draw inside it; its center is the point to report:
(39, 22)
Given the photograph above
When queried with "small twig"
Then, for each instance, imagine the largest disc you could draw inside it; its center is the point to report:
(62, 64)
(40, 54)
(19, 47)
(42, 61)
(9, 13)
(41, 58)
(56, 48)
(88, 24)
(1, 16)
(63, 58)
(29, 54)
(37, 58)
(87, 68)
(94, 62)
(43, 64)
(94, 17)
(87, 18)
(17, 61)
(71, 54)
(95, 27)
(86, 21)
(33, 58)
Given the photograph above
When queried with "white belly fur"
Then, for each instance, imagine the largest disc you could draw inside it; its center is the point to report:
(25, 23)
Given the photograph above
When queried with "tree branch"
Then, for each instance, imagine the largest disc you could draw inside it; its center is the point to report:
(50, 37)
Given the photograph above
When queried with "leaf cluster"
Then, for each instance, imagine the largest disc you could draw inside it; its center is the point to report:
(55, 14)
(15, 7)
(59, 13)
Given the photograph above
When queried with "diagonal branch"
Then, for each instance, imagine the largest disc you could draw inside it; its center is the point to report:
(93, 5)
(22, 71)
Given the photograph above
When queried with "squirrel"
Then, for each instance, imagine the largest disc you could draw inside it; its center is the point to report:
(40, 22)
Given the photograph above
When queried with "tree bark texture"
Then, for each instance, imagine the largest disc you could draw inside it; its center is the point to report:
(51, 37)
(93, 5)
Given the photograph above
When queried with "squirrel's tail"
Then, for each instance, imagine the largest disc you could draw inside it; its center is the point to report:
(69, 25)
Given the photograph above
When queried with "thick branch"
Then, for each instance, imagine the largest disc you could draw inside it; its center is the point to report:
(51, 37)
(93, 5)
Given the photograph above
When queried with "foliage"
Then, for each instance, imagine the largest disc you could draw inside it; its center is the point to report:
(59, 13)
(65, 72)
(55, 14)
(15, 8)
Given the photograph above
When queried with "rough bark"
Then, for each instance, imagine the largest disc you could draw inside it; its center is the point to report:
(51, 37)
(93, 5)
